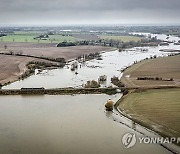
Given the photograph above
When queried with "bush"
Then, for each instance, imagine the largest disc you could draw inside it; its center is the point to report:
(92, 84)
(116, 82)
(124, 91)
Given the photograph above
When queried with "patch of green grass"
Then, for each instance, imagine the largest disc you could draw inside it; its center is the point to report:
(29, 37)
(155, 107)
(121, 38)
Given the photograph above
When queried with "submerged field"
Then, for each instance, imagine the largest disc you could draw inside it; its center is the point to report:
(157, 109)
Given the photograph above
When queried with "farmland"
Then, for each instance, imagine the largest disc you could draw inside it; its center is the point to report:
(11, 67)
(29, 37)
(162, 67)
(157, 109)
(49, 50)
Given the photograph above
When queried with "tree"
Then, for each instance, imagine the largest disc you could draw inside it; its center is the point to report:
(5, 47)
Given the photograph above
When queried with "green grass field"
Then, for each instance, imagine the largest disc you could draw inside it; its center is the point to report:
(157, 108)
(28, 37)
(121, 38)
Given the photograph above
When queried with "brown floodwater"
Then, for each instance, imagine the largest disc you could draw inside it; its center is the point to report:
(64, 124)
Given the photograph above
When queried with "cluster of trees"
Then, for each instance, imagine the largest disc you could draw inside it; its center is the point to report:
(92, 84)
(66, 44)
(174, 54)
(153, 41)
(115, 80)
(33, 65)
(37, 65)
(2, 34)
(44, 36)
(154, 78)
(90, 56)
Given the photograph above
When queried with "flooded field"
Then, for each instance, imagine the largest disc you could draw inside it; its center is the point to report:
(110, 65)
(73, 124)
(64, 124)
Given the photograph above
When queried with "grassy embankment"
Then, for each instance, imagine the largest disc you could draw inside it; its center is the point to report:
(157, 109)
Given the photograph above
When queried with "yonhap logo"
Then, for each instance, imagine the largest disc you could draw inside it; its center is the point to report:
(129, 140)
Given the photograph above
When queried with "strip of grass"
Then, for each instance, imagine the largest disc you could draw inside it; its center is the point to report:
(157, 108)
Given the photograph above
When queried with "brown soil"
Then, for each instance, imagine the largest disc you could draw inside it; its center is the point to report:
(11, 67)
(49, 50)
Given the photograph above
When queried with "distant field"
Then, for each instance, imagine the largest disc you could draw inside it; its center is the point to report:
(121, 38)
(165, 67)
(159, 109)
(28, 37)
(86, 36)
(50, 50)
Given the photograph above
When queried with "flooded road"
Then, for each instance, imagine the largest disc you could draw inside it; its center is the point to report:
(64, 124)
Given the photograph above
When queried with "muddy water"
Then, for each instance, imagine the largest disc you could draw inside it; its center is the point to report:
(110, 66)
(64, 124)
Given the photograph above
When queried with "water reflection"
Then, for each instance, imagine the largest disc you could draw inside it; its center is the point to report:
(109, 114)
